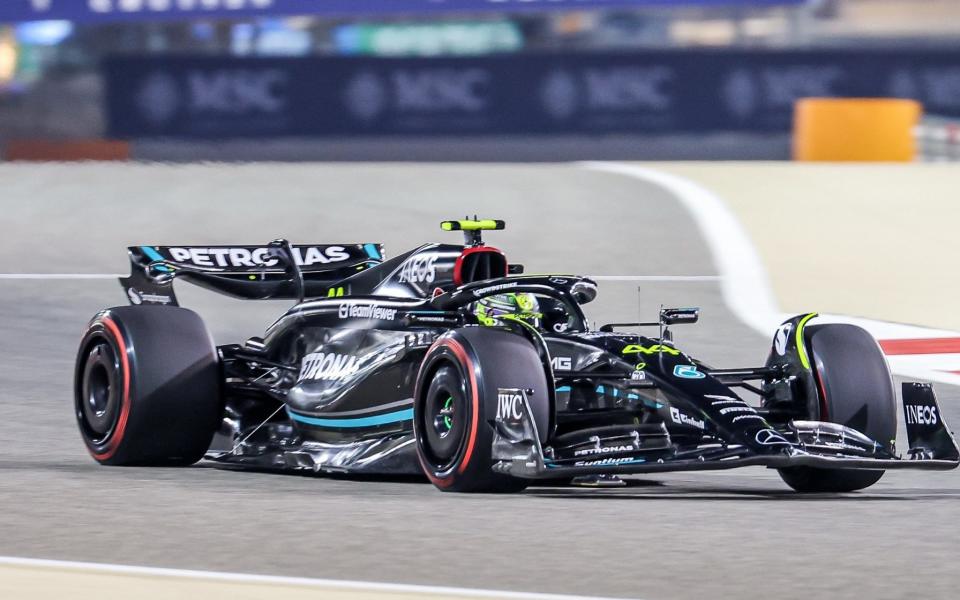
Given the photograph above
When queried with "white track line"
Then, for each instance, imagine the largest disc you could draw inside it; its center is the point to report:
(744, 283)
(329, 584)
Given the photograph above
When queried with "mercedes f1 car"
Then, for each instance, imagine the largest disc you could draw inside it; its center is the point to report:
(401, 366)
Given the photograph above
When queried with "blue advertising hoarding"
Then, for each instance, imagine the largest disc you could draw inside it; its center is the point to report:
(120, 10)
(648, 92)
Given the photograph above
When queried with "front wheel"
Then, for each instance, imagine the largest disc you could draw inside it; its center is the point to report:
(856, 391)
(456, 405)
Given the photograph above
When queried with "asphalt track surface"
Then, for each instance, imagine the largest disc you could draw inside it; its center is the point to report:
(740, 533)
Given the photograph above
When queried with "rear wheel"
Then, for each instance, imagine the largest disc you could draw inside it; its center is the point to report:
(147, 386)
(455, 406)
(856, 390)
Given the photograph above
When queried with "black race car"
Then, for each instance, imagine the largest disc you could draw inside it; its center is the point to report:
(392, 367)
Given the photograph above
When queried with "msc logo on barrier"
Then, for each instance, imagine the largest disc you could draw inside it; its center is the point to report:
(746, 92)
(217, 93)
(418, 90)
(639, 92)
(606, 89)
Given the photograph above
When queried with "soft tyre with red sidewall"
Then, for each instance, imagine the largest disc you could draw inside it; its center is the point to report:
(856, 390)
(468, 366)
(147, 386)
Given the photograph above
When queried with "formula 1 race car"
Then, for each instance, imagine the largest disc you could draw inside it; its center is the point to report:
(447, 361)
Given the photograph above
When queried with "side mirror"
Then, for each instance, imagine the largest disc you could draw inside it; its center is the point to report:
(583, 292)
(679, 316)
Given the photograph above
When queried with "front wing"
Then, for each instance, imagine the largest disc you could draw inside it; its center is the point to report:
(518, 452)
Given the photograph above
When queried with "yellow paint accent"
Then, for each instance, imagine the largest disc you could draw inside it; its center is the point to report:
(855, 129)
(465, 225)
(801, 350)
(654, 349)
(525, 302)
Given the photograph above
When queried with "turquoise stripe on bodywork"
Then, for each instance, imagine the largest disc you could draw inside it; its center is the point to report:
(384, 419)
(372, 252)
(153, 255)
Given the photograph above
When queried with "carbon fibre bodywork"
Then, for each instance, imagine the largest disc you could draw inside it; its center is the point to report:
(331, 385)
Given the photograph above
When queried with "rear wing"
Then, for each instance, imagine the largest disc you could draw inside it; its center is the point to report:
(277, 270)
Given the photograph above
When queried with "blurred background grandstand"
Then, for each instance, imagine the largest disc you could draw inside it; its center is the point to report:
(72, 69)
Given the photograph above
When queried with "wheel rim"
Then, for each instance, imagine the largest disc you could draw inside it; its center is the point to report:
(443, 422)
(98, 404)
(444, 426)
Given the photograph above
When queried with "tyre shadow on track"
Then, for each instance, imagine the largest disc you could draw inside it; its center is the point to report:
(635, 489)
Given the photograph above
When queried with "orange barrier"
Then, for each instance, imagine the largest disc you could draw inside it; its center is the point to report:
(66, 150)
(855, 129)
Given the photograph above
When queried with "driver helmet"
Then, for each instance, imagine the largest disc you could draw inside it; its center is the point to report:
(493, 310)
